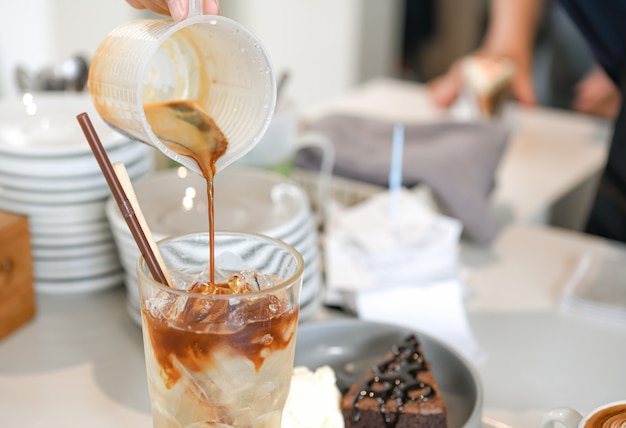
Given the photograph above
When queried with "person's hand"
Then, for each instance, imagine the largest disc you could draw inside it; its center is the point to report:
(445, 89)
(596, 94)
(178, 9)
(510, 35)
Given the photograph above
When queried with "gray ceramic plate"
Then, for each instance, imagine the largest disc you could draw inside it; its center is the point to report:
(351, 347)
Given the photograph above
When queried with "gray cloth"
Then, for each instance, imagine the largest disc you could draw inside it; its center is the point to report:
(456, 160)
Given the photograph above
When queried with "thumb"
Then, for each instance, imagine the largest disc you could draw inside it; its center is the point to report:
(523, 89)
(445, 89)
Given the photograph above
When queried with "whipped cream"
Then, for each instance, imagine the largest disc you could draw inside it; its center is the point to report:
(314, 400)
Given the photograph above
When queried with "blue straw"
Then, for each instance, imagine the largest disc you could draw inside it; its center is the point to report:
(395, 171)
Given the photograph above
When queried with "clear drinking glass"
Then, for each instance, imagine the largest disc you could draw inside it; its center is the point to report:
(221, 360)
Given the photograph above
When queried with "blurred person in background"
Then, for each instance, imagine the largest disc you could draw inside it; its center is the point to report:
(565, 73)
(511, 32)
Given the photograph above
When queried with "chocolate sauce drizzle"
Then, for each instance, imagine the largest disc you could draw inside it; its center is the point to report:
(395, 380)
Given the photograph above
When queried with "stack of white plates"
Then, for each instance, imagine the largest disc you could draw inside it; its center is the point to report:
(49, 174)
(174, 202)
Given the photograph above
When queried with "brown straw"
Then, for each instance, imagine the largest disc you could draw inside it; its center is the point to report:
(120, 197)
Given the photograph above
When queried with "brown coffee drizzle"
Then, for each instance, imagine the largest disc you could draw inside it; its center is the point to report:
(187, 130)
(196, 349)
(395, 380)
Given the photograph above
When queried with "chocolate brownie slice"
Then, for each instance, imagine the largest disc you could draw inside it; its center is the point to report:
(400, 392)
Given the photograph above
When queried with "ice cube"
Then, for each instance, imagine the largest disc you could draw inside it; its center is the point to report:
(228, 260)
(184, 280)
(197, 309)
(165, 305)
(249, 281)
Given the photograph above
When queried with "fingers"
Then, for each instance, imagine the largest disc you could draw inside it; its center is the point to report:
(136, 4)
(596, 94)
(178, 9)
(211, 7)
(445, 90)
(523, 89)
(153, 5)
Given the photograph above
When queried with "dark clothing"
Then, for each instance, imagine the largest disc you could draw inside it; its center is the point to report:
(608, 213)
(603, 22)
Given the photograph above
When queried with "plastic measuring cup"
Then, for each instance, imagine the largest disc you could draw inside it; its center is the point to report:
(209, 59)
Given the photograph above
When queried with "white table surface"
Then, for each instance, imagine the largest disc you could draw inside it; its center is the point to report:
(539, 355)
(80, 362)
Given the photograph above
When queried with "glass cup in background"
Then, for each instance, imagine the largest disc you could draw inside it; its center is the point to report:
(221, 360)
(277, 148)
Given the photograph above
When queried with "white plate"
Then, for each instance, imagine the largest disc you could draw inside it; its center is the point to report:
(255, 200)
(308, 310)
(76, 268)
(37, 228)
(132, 288)
(304, 227)
(129, 252)
(65, 184)
(110, 280)
(57, 214)
(76, 166)
(311, 278)
(55, 253)
(304, 239)
(246, 200)
(311, 289)
(311, 265)
(71, 239)
(133, 311)
(47, 125)
(352, 347)
(126, 243)
(125, 240)
(128, 258)
(56, 198)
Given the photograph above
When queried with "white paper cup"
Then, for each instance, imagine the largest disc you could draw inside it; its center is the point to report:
(209, 59)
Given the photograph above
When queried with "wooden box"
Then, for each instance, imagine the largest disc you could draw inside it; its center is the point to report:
(17, 294)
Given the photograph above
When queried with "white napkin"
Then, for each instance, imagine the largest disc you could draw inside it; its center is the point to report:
(405, 272)
(596, 287)
(364, 250)
(436, 309)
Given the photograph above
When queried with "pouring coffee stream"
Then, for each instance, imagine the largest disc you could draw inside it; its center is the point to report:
(187, 130)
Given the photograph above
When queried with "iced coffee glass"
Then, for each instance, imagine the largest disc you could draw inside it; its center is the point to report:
(221, 355)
